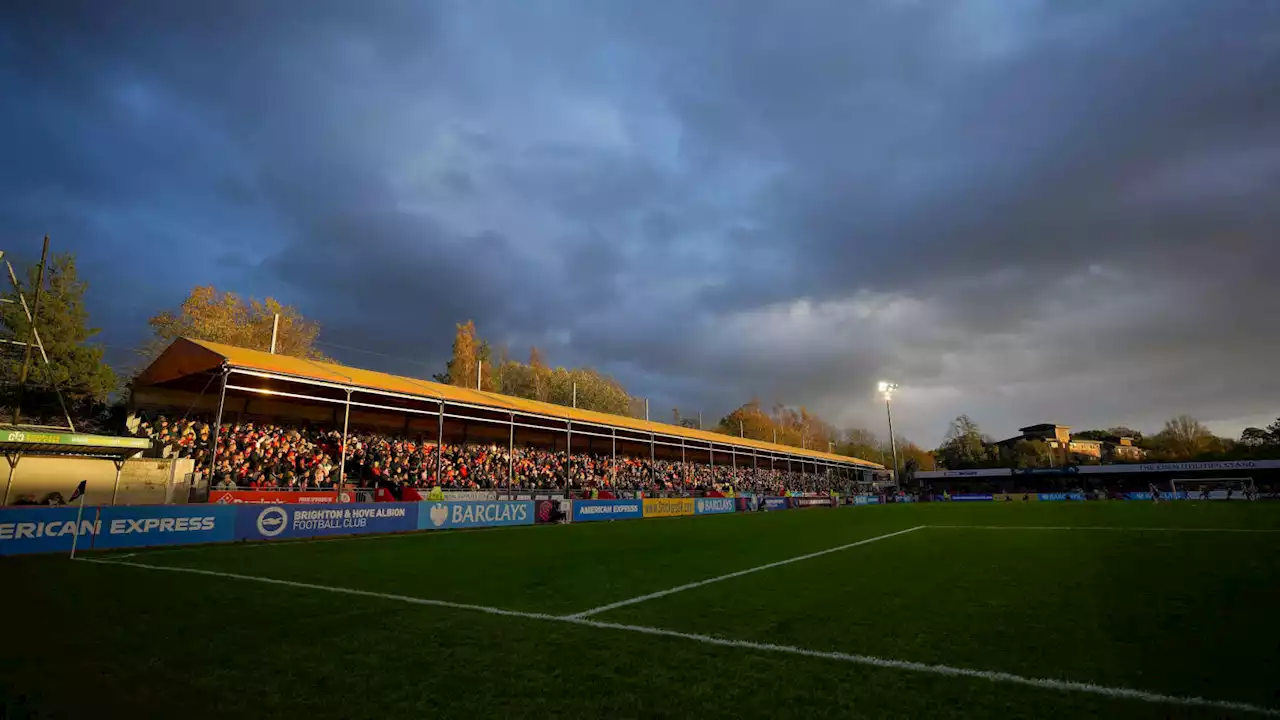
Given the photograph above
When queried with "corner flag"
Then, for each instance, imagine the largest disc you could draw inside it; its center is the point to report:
(75, 537)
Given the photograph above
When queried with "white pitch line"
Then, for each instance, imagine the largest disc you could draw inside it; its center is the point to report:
(325, 588)
(1102, 527)
(740, 573)
(1121, 693)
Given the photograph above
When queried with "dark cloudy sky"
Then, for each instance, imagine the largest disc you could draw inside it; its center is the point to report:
(1027, 211)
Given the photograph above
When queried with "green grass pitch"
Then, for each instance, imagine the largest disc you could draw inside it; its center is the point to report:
(1173, 601)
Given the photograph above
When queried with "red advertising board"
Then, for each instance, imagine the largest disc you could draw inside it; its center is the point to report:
(224, 497)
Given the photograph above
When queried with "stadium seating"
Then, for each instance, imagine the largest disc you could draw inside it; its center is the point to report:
(258, 455)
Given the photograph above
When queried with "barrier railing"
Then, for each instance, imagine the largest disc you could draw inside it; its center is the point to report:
(290, 495)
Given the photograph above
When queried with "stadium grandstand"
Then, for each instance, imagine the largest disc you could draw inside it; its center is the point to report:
(292, 423)
(1210, 479)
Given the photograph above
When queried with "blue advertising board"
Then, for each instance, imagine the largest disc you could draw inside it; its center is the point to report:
(1164, 495)
(270, 522)
(478, 513)
(147, 525)
(774, 503)
(43, 529)
(712, 506)
(590, 510)
(1060, 497)
(866, 499)
(970, 498)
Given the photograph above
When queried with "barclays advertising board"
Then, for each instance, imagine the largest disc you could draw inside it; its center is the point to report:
(712, 506)
(465, 514)
(592, 510)
(144, 526)
(272, 522)
(866, 499)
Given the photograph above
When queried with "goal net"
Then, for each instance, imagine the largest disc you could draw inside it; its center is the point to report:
(1214, 488)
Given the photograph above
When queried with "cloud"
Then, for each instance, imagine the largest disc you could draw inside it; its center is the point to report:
(1022, 211)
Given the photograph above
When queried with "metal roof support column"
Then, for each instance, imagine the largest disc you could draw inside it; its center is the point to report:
(13, 459)
(440, 445)
(653, 471)
(217, 426)
(115, 488)
(342, 460)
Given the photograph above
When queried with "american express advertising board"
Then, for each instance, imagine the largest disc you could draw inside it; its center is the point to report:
(592, 510)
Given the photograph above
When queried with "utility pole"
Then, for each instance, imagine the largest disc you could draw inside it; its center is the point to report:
(31, 336)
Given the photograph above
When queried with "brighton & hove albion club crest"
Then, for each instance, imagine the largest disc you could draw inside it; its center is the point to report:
(272, 521)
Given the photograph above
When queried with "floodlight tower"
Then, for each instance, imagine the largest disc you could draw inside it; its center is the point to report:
(887, 389)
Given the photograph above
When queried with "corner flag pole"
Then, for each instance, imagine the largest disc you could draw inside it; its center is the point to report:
(79, 514)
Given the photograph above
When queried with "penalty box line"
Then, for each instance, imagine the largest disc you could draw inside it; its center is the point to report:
(1120, 693)
(730, 576)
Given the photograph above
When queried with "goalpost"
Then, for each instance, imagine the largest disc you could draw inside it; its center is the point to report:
(1219, 488)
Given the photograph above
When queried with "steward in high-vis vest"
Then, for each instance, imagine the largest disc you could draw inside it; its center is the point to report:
(436, 494)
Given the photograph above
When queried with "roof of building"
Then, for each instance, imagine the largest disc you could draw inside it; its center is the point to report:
(1043, 426)
(42, 441)
(187, 357)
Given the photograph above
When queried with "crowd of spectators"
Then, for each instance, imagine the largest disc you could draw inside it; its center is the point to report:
(261, 455)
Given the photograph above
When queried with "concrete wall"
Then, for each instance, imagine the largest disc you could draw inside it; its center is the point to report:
(142, 481)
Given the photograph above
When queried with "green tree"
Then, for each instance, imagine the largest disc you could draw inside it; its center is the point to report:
(1027, 454)
(76, 367)
(750, 420)
(1122, 431)
(539, 376)
(963, 447)
(1092, 434)
(1183, 438)
(224, 317)
(1118, 431)
(1253, 437)
(532, 381)
(910, 452)
(685, 421)
(461, 369)
(864, 445)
